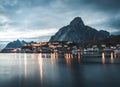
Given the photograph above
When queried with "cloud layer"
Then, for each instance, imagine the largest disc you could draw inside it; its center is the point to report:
(42, 18)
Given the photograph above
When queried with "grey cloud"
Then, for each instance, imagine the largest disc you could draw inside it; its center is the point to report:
(114, 23)
(99, 4)
(44, 14)
(106, 4)
(2, 24)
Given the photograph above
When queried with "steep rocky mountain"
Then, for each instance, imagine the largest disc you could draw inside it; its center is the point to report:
(77, 31)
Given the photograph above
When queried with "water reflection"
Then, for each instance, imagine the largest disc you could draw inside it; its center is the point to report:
(79, 56)
(112, 57)
(109, 56)
(103, 57)
(53, 70)
(54, 55)
(115, 55)
(68, 57)
(54, 58)
(40, 67)
(25, 65)
(33, 56)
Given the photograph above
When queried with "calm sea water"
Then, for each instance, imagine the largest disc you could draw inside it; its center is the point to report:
(53, 70)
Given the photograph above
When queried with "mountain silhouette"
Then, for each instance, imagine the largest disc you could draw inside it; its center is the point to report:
(77, 31)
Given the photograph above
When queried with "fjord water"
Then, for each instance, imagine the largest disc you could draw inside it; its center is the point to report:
(51, 70)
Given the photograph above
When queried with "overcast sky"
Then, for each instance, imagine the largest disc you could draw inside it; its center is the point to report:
(39, 19)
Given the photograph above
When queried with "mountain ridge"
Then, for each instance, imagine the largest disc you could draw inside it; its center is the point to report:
(17, 44)
(77, 31)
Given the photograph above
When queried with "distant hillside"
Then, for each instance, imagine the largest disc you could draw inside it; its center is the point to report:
(112, 40)
(77, 31)
(16, 44)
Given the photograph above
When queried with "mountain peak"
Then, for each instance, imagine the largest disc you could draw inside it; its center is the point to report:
(78, 32)
(77, 22)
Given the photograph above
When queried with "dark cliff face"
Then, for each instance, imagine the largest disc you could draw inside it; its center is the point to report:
(77, 31)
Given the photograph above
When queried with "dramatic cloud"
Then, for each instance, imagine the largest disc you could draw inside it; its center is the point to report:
(39, 19)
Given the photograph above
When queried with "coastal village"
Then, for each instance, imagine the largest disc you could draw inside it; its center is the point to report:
(61, 47)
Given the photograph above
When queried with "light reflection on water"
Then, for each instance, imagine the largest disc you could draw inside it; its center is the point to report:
(58, 70)
(25, 65)
(112, 57)
(40, 66)
(103, 57)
